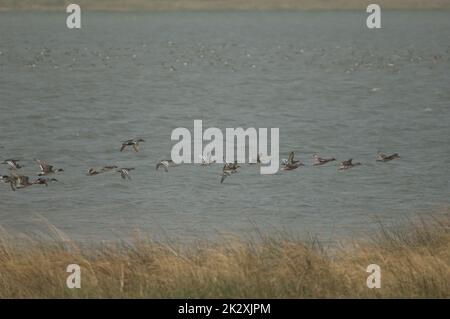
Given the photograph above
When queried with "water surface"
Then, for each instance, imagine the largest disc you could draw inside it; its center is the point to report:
(331, 85)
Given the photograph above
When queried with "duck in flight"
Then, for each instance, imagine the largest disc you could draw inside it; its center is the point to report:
(381, 157)
(290, 163)
(348, 164)
(46, 169)
(321, 161)
(13, 164)
(166, 163)
(231, 166)
(228, 170)
(93, 172)
(133, 142)
(21, 181)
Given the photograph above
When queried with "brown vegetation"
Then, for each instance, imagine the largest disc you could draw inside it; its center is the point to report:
(415, 263)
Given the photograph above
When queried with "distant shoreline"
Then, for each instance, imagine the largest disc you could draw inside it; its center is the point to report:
(220, 5)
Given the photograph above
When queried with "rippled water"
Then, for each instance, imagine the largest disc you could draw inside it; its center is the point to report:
(331, 85)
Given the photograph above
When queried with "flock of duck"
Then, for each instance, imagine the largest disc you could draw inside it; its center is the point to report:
(19, 181)
(290, 163)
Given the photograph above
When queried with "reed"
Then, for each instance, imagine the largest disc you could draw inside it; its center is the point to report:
(414, 261)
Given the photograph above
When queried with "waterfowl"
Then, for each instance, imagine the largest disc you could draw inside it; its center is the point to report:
(228, 170)
(92, 172)
(133, 142)
(47, 169)
(231, 166)
(290, 163)
(44, 181)
(321, 161)
(21, 181)
(125, 172)
(348, 164)
(381, 157)
(13, 164)
(166, 163)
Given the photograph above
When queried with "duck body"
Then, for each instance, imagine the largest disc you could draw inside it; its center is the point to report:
(47, 169)
(92, 172)
(228, 170)
(165, 163)
(348, 164)
(104, 169)
(290, 163)
(386, 158)
(133, 142)
(322, 161)
(21, 181)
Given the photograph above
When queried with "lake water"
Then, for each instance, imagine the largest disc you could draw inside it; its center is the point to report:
(331, 85)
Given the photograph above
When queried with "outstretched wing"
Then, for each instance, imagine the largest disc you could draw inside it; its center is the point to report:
(291, 157)
(163, 165)
(125, 174)
(43, 165)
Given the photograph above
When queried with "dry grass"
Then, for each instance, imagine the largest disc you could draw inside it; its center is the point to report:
(415, 263)
(180, 5)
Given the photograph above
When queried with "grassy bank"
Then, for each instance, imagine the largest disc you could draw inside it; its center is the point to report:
(179, 5)
(415, 262)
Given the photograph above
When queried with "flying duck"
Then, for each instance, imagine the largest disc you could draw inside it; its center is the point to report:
(47, 169)
(348, 164)
(133, 142)
(92, 172)
(321, 161)
(21, 181)
(166, 163)
(381, 157)
(290, 163)
(228, 170)
(231, 166)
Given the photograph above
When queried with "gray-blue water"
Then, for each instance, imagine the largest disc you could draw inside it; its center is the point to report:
(331, 85)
